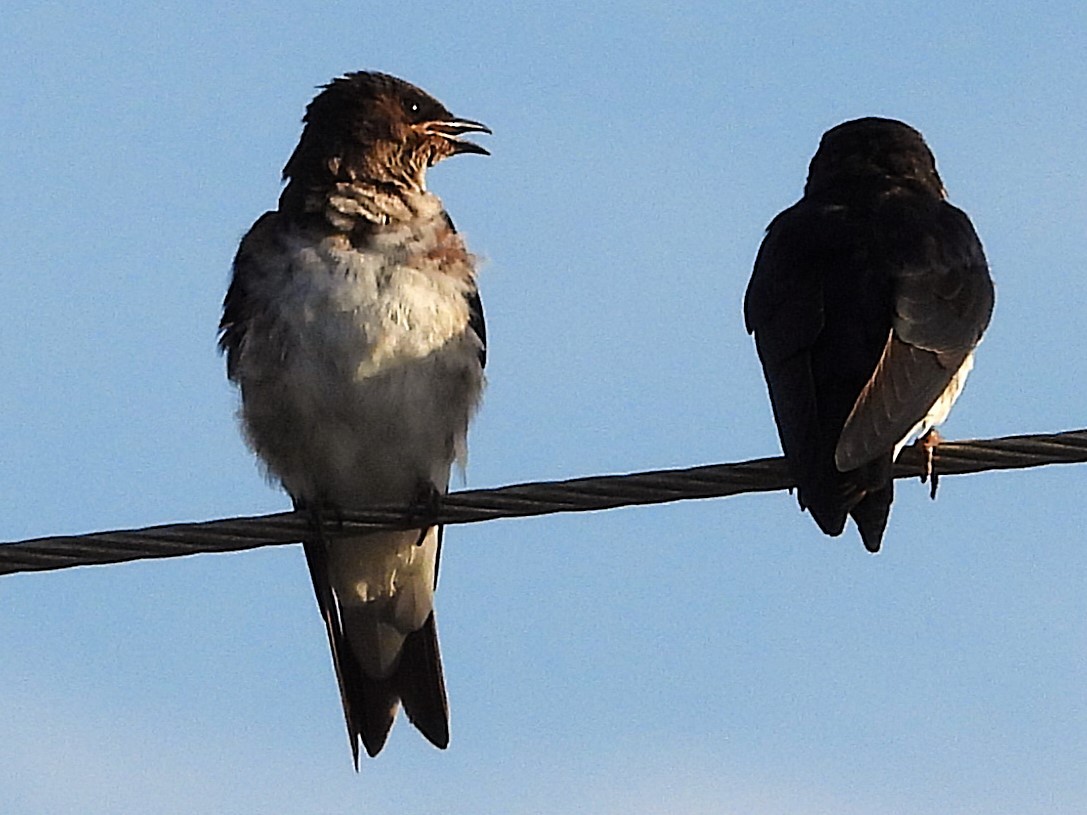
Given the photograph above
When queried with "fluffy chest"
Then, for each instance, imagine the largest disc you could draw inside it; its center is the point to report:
(351, 314)
(359, 368)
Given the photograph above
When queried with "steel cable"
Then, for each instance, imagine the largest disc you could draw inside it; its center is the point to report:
(516, 501)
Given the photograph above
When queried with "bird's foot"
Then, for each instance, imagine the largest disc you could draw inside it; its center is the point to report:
(928, 443)
(425, 507)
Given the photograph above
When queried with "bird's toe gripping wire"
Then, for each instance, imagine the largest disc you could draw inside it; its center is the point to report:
(425, 507)
(928, 443)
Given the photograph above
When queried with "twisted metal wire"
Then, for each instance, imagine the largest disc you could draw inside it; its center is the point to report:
(518, 500)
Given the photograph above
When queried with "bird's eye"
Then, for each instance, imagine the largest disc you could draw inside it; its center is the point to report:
(413, 107)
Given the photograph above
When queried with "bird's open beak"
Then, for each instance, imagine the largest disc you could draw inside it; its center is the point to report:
(453, 129)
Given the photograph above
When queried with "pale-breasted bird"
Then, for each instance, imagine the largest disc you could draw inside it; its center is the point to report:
(868, 298)
(354, 330)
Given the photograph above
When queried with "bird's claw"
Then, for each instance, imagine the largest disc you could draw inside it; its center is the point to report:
(425, 507)
(928, 443)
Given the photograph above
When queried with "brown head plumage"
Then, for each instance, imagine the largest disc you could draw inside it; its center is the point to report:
(376, 128)
(868, 151)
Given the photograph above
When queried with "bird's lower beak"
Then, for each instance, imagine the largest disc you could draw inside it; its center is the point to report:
(453, 129)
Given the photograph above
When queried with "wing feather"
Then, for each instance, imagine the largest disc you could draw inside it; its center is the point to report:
(943, 300)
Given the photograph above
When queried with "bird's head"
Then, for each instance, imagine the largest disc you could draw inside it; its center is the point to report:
(374, 128)
(872, 149)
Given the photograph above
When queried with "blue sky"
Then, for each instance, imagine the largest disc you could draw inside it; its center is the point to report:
(711, 657)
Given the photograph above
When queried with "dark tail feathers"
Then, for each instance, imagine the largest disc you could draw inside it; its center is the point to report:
(370, 705)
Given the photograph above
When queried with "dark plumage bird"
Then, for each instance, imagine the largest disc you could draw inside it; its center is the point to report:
(868, 298)
(354, 330)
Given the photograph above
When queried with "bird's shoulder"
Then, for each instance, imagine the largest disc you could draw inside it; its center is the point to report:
(807, 247)
(257, 255)
(943, 291)
(888, 238)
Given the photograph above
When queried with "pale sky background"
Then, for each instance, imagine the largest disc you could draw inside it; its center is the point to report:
(710, 657)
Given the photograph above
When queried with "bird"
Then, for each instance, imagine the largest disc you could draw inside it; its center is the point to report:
(354, 331)
(867, 300)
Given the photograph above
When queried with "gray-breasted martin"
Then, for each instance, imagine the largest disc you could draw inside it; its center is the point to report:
(354, 330)
(868, 298)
